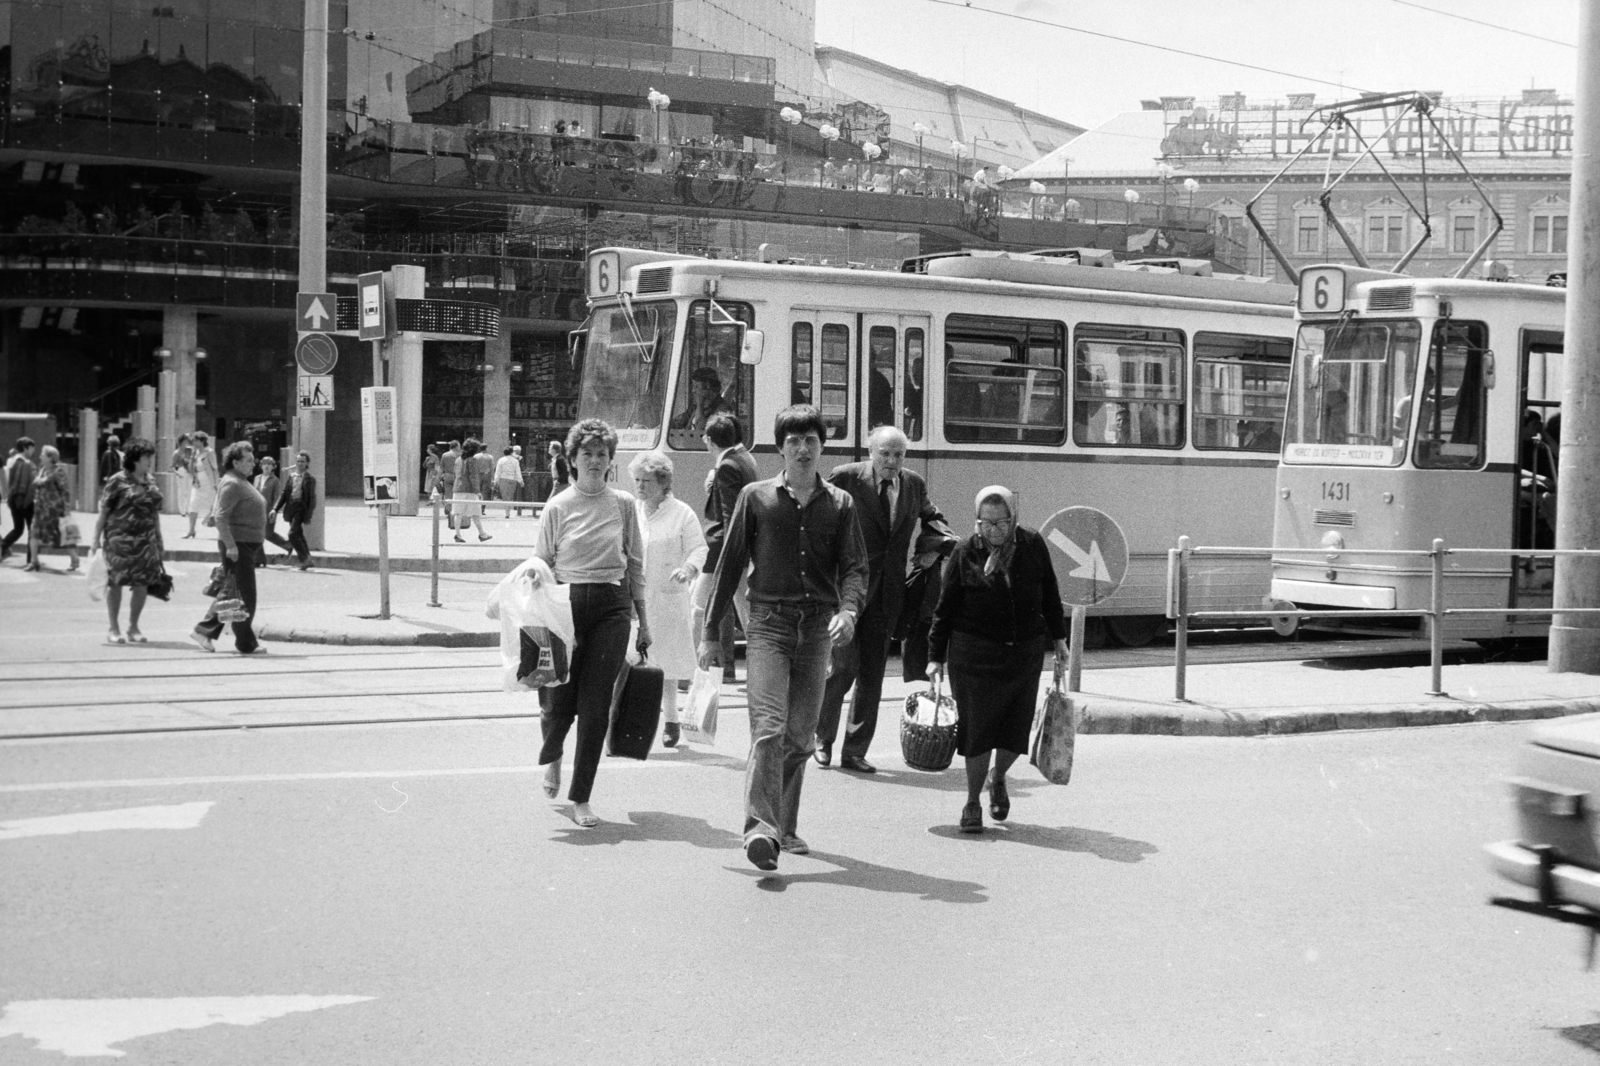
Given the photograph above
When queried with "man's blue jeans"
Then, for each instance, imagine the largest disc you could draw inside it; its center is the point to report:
(786, 653)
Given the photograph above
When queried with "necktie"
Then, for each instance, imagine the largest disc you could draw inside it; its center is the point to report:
(883, 501)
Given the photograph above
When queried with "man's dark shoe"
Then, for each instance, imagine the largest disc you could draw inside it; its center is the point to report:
(762, 853)
(823, 755)
(856, 763)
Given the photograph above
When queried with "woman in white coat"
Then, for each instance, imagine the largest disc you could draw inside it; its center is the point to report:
(675, 550)
(203, 482)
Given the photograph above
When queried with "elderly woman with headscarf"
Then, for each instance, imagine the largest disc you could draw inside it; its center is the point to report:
(675, 553)
(999, 607)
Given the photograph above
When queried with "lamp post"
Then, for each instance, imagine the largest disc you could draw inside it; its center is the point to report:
(1164, 174)
(956, 149)
(1036, 189)
(829, 133)
(1131, 196)
(658, 102)
(871, 151)
(1191, 186)
(790, 118)
(921, 131)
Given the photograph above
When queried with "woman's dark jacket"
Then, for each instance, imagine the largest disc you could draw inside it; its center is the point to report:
(1018, 606)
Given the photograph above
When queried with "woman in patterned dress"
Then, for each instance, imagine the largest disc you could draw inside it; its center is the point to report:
(129, 532)
(52, 503)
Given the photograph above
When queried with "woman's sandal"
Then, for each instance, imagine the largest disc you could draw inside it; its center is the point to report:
(552, 780)
(136, 637)
(999, 799)
(585, 818)
(114, 637)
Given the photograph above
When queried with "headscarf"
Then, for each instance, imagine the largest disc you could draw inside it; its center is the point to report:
(999, 559)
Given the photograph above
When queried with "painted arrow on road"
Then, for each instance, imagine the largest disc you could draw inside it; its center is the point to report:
(86, 1028)
(1091, 565)
(169, 816)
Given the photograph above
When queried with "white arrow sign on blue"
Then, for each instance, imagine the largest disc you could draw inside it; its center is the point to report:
(1090, 554)
(315, 312)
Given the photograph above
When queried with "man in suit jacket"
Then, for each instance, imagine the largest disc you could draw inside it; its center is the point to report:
(731, 470)
(297, 502)
(891, 503)
(110, 459)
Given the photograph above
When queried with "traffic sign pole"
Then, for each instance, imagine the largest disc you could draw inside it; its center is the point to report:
(310, 429)
(1075, 649)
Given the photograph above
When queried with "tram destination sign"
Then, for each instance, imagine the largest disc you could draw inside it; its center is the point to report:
(1089, 553)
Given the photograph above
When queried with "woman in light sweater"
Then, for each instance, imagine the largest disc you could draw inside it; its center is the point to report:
(591, 538)
(241, 514)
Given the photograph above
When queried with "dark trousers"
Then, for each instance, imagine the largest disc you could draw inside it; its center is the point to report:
(861, 664)
(243, 570)
(21, 519)
(297, 537)
(600, 621)
(274, 537)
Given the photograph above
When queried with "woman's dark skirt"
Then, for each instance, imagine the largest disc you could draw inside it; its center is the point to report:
(996, 688)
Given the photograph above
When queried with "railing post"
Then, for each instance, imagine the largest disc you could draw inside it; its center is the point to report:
(1436, 637)
(433, 600)
(1181, 653)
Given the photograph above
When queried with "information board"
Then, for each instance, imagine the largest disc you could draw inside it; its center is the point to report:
(380, 445)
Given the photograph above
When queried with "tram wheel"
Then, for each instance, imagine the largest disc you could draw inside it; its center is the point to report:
(1135, 631)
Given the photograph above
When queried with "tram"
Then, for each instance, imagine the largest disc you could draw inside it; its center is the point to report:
(1149, 392)
(1420, 408)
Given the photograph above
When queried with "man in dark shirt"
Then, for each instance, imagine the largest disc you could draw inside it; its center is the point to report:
(110, 459)
(732, 468)
(806, 589)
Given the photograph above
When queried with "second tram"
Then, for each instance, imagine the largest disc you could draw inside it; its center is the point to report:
(1152, 394)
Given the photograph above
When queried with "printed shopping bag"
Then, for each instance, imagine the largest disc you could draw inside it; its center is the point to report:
(1053, 743)
(698, 717)
(536, 631)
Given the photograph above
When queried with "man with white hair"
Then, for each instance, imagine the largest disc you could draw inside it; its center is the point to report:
(891, 503)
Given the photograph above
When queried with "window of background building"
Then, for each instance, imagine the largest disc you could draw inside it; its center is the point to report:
(1308, 234)
(1549, 231)
(1463, 233)
(1386, 232)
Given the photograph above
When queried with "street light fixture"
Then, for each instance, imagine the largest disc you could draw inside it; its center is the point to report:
(1131, 197)
(921, 131)
(790, 118)
(658, 102)
(1191, 187)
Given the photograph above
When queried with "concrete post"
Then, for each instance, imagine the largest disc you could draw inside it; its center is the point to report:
(405, 375)
(180, 332)
(310, 428)
(1575, 638)
(88, 459)
(144, 415)
(166, 439)
(497, 393)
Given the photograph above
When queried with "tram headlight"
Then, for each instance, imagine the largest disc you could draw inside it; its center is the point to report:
(1333, 540)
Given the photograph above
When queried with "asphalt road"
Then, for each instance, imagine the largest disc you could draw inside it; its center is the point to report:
(1309, 899)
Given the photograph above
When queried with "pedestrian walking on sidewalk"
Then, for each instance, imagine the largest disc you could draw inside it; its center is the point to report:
(892, 504)
(806, 590)
(675, 550)
(732, 468)
(449, 464)
(430, 471)
(591, 538)
(111, 459)
(52, 506)
(472, 470)
(20, 472)
(270, 486)
(241, 524)
(297, 502)
(183, 471)
(128, 532)
(999, 609)
(508, 477)
(204, 480)
(560, 469)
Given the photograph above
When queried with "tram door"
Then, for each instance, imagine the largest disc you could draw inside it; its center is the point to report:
(892, 375)
(1538, 457)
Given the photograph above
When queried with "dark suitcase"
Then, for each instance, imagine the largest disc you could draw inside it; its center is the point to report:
(635, 711)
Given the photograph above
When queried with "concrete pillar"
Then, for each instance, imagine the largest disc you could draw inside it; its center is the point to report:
(166, 439)
(405, 375)
(310, 427)
(1575, 638)
(88, 459)
(497, 393)
(180, 332)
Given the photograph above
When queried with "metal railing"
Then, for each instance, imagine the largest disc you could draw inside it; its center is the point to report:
(1178, 597)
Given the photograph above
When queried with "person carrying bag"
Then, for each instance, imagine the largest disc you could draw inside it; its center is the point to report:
(1056, 736)
(536, 634)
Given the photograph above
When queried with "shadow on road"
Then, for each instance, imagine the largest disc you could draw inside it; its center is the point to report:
(1585, 1036)
(854, 873)
(1094, 842)
(657, 826)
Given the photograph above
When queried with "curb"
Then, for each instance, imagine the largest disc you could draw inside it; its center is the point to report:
(369, 563)
(286, 634)
(1124, 717)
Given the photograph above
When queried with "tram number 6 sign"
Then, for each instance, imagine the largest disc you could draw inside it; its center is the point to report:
(1089, 553)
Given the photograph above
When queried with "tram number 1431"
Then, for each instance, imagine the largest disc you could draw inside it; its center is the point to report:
(1336, 490)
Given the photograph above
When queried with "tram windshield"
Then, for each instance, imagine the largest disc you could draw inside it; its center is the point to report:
(1349, 378)
(626, 358)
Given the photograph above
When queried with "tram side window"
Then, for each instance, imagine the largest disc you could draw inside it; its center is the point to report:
(801, 352)
(834, 399)
(880, 376)
(915, 343)
(1004, 379)
(1241, 384)
(711, 379)
(1129, 387)
(1450, 408)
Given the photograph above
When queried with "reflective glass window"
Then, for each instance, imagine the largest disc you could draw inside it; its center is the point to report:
(1240, 385)
(1128, 387)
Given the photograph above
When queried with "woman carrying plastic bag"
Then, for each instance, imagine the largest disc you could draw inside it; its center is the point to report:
(536, 632)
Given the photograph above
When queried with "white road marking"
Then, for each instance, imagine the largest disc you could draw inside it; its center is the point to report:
(339, 775)
(83, 1028)
(169, 816)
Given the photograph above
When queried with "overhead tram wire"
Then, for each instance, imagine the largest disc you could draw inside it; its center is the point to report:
(1480, 22)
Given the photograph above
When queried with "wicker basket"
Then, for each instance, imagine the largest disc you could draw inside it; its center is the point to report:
(928, 731)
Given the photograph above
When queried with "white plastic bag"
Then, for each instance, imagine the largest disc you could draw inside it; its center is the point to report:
(536, 633)
(97, 576)
(698, 716)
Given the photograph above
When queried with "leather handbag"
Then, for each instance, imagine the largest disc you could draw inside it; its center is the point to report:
(161, 589)
(635, 711)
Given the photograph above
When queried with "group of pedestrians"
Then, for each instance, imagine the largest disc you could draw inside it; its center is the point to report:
(39, 498)
(822, 563)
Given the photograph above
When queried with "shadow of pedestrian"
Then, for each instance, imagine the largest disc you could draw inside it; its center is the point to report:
(659, 826)
(853, 873)
(1585, 1036)
(1094, 842)
(707, 758)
